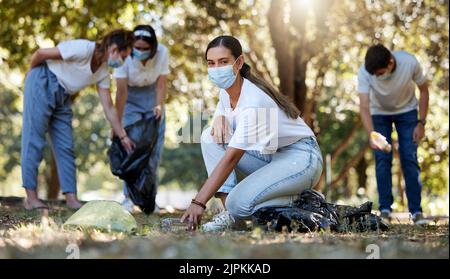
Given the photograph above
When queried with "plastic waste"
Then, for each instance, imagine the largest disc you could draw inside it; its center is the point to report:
(173, 225)
(102, 215)
(381, 141)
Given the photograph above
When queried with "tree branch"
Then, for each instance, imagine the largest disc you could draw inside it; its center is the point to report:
(352, 163)
(343, 145)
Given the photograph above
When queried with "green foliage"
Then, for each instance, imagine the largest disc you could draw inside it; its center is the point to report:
(335, 53)
(9, 131)
(183, 165)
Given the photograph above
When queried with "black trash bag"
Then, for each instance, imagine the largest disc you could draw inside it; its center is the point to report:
(292, 218)
(134, 168)
(359, 218)
(314, 201)
(310, 212)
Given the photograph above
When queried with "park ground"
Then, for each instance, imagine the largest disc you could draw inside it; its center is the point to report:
(38, 234)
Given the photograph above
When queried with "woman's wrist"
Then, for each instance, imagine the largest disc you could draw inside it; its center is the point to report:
(196, 202)
(122, 135)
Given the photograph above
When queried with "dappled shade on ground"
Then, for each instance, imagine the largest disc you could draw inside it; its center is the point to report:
(28, 234)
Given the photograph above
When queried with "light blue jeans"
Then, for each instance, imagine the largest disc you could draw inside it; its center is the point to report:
(139, 105)
(47, 108)
(271, 179)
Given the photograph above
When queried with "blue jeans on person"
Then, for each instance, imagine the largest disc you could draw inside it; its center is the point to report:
(404, 124)
(271, 179)
(139, 105)
(47, 108)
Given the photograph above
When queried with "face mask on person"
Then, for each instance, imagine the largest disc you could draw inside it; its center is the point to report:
(141, 55)
(388, 74)
(115, 63)
(385, 76)
(222, 77)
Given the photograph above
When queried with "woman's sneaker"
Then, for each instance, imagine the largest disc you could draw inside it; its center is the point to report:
(128, 205)
(223, 221)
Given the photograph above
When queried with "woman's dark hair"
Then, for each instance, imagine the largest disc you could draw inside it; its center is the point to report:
(377, 57)
(151, 40)
(236, 50)
(124, 39)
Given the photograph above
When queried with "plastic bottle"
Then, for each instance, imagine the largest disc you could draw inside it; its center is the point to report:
(381, 141)
(173, 225)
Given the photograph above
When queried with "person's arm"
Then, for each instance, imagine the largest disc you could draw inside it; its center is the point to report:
(364, 111)
(221, 172)
(220, 128)
(366, 118)
(161, 91)
(113, 118)
(419, 131)
(43, 54)
(121, 96)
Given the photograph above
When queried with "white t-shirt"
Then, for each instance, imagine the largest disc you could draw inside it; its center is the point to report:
(259, 123)
(74, 70)
(397, 94)
(143, 75)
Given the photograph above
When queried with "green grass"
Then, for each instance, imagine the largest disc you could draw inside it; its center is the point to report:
(27, 234)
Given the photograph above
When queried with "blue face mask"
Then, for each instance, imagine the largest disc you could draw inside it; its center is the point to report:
(141, 55)
(222, 77)
(387, 75)
(115, 63)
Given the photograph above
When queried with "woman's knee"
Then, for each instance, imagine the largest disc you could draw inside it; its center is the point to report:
(238, 206)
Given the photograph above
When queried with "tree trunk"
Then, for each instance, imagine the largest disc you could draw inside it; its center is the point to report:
(280, 36)
(309, 109)
(52, 180)
(293, 50)
(361, 168)
(347, 188)
(301, 90)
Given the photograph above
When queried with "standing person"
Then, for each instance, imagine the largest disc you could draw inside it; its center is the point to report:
(270, 143)
(141, 90)
(56, 74)
(386, 87)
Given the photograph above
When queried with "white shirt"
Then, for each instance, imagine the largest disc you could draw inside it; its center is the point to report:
(143, 75)
(74, 70)
(260, 124)
(397, 94)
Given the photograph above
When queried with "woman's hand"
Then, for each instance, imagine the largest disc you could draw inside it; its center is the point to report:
(157, 111)
(193, 216)
(221, 130)
(128, 144)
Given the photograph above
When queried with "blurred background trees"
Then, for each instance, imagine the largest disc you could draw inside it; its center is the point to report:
(310, 49)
